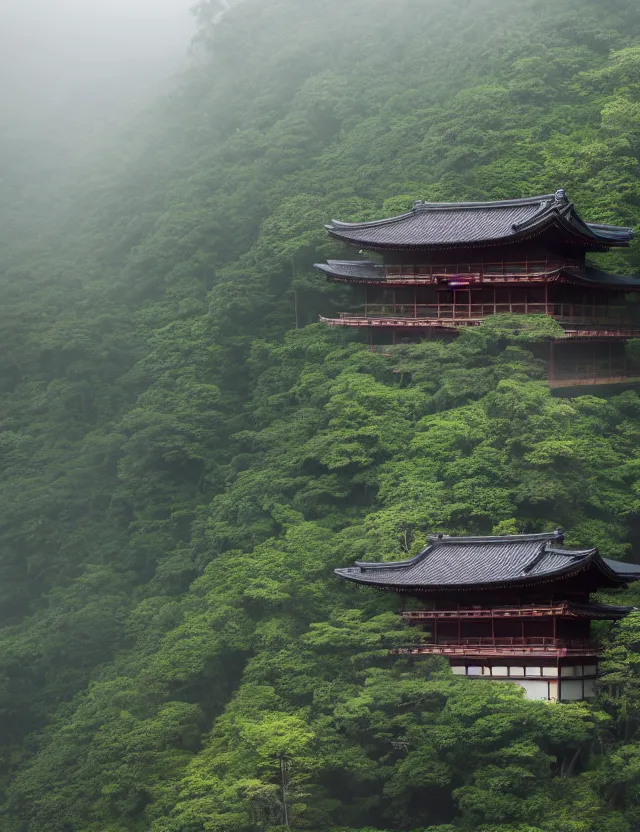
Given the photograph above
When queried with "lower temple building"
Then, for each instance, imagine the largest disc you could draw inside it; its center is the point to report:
(514, 608)
(442, 267)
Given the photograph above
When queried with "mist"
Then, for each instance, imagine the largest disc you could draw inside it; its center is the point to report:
(58, 55)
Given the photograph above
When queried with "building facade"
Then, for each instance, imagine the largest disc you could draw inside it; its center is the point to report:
(441, 267)
(514, 608)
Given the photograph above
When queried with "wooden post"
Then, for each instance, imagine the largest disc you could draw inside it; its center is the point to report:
(546, 298)
(495, 295)
(526, 302)
(610, 370)
(366, 301)
(454, 304)
(469, 301)
(510, 309)
(415, 301)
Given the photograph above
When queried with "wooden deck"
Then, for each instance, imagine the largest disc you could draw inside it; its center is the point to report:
(516, 648)
(452, 324)
(558, 611)
(598, 381)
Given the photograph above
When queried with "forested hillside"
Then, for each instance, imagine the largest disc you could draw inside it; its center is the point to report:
(186, 455)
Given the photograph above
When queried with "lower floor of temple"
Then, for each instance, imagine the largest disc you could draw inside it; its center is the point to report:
(570, 362)
(552, 682)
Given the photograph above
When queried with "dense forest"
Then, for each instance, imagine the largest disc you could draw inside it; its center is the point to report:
(186, 454)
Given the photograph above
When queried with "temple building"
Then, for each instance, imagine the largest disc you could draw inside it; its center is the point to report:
(443, 266)
(513, 608)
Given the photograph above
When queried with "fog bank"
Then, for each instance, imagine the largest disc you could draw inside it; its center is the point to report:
(57, 53)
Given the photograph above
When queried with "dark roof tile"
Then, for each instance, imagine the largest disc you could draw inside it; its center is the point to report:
(449, 562)
(468, 223)
(351, 269)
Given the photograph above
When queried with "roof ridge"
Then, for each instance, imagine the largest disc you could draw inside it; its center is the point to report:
(505, 538)
(334, 224)
(572, 553)
(535, 560)
(351, 263)
(491, 203)
(395, 564)
(419, 206)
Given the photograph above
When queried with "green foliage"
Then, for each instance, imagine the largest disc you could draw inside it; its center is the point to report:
(187, 455)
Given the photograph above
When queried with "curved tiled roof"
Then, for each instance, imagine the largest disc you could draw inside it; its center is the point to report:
(467, 562)
(631, 571)
(351, 269)
(436, 224)
(597, 277)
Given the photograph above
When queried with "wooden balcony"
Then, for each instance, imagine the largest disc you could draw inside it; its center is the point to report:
(558, 611)
(578, 320)
(565, 313)
(499, 272)
(515, 647)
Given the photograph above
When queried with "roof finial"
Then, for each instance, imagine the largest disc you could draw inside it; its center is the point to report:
(418, 204)
(561, 195)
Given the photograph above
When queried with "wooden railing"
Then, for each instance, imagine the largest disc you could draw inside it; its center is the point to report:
(501, 268)
(503, 646)
(588, 314)
(512, 641)
(502, 612)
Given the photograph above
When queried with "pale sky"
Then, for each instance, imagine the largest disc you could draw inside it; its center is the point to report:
(51, 50)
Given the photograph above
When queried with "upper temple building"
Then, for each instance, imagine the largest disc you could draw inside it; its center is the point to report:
(443, 266)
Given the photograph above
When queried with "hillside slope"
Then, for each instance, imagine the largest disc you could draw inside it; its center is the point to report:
(182, 468)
